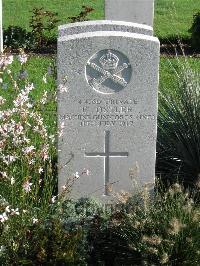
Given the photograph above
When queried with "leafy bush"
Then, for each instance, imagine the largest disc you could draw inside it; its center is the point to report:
(195, 30)
(143, 231)
(16, 37)
(148, 231)
(42, 24)
(178, 146)
(40, 237)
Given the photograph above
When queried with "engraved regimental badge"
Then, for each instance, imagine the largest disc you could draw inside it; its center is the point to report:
(108, 71)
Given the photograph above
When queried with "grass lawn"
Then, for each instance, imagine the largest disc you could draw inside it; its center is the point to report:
(169, 65)
(172, 17)
(64, 8)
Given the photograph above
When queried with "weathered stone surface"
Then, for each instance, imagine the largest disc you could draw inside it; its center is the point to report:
(109, 111)
(137, 11)
(103, 25)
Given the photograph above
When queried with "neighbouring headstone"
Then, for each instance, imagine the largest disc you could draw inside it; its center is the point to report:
(107, 111)
(137, 11)
(104, 25)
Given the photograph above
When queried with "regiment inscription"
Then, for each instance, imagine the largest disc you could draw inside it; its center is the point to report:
(107, 113)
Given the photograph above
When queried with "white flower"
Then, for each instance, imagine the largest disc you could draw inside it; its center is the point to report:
(4, 175)
(29, 105)
(5, 60)
(2, 100)
(12, 181)
(15, 212)
(2, 250)
(52, 138)
(9, 60)
(22, 58)
(53, 199)
(44, 152)
(35, 220)
(44, 78)
(7, 209)
(27, 186)
(31, 162)
(26, 139)
(29, 87)
(28, 150)
(3, 217)
(44, 98)
(9, 159)
(40, 170)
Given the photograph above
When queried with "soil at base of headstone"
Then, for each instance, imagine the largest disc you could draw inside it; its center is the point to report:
(172, 50)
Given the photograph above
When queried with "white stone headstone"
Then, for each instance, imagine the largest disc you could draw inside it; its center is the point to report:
(1, 28)
(137, 11)
(108, 113)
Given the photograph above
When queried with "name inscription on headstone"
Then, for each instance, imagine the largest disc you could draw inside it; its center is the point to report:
(111, 112)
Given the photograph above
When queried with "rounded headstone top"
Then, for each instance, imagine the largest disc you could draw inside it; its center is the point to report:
(104, 25)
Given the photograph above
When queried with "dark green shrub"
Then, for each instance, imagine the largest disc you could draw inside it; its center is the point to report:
(195, 30)
(47, 242)
(164, 230)
(43, 33)
(147, 231)
(42, 36)
(42, 23)
(143, 231)
(17, 37)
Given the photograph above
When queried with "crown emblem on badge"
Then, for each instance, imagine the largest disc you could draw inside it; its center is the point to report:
(109, 61)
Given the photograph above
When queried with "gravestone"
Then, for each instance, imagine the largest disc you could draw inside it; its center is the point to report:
(108, 112)
(138, 11)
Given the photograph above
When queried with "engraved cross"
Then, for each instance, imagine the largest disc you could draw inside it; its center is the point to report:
(106, 155)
